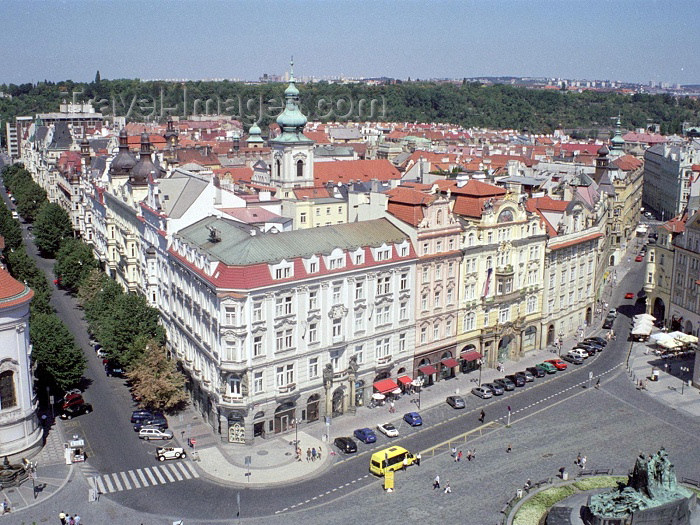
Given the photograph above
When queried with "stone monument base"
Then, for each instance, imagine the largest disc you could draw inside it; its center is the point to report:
(676, 512)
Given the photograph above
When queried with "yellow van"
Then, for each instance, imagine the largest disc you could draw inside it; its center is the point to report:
(389, 459)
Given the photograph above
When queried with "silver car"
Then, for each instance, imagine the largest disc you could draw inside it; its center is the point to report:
(481, 392)
(153, 432)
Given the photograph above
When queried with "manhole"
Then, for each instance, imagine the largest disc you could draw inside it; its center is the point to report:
(548, 455)
(262, 452)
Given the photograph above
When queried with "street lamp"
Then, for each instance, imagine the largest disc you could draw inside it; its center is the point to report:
(684, 370)
(479, 362)
(561, 341)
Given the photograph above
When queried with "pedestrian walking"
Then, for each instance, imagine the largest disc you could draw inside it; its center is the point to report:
(392, 409)
(436, 482)
(313, 453)
(62, 518)
(454, 452)
(482, 416)
(510, 447)
(298, 453)
(469, 455)
(418, 459)
(71, 521)
(318, 453)
(578, 460)
(583, 462)
(459, 456)
(562, 470)
(448, 490)
(528, 484)
(77, 519)
(308, 454)
(597, 383)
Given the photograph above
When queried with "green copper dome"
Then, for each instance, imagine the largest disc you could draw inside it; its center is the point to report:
(292, 120)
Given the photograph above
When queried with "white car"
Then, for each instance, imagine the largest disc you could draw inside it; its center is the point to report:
(388, 430)
(163, 453)
(152, 432)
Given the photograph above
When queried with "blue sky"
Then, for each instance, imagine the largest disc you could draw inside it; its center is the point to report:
(625, 40)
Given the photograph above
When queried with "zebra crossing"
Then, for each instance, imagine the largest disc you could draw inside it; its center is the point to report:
(142, 477)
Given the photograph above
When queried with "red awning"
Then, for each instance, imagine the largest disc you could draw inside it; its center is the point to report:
(385, 385)
(405, 380)
(450, 362)
(470, 356)
(428, 370)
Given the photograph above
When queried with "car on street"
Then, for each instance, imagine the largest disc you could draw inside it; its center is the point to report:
(557, 363)
(505, 383)
(388, 430)
(612, 313)
(592, 346)
(529, 376)
(548, 367)
(71, 400)
(536, 371)
(157, 420)
(76, 410)
(581, 352)
(154, 432)
(102, 353)
(629, 295)
(573, 358)
(113, 369)
(516, 379)
(598, 340)
(456, 401)
(345, 444)
(496, 390)
(639, 258)
(141, 415)
(413, 419)
(481, 392)
(163, 453)
(608, 323)
(366, 435)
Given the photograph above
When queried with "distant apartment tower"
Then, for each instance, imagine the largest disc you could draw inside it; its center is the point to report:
(668, 178)
(15, 134)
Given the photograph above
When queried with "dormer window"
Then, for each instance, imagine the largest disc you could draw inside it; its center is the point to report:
(283, 273)
(383, 254)
(336, 263)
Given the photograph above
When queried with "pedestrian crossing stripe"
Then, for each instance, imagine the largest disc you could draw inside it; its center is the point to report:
(142, 477)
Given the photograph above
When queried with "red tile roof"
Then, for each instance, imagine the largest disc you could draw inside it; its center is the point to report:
(546, 203)
(13, 292)
(628, 163)
(318, 192)
(408, 204)
(473, 188)
(580, 240)
(469, 206)
(238, 174)
(355, 170)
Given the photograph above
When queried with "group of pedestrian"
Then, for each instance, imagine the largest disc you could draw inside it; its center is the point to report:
(436, 485)
(580, 461)
(312, 454)
(66, 519)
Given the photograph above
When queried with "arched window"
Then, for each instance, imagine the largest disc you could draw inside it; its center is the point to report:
(278, 168)
(471, 240)
(8, 398)
(300, 168)
(438, 218)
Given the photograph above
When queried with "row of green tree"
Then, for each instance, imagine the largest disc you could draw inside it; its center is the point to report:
(58, 362)
(124, 323)
(468, 104)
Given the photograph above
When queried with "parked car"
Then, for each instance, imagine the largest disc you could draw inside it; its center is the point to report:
(345, 444)
(413, 419)
(505, 383)
(608, 323)
(599, 340)
(496, 390)
(536, 371)
(163, 453)
(76, 410)
(157, 420)
(629, 295)
(113, 369)
(557, 363)
(579, 352)
(516, 379)
(71, 400)
(154, 432)
(481, 392)
(101, 353)
(529, 377)
(639, 258)
(548, 367)
(612, 312)
(366, 435)
(141, 415)
(573, 358)
(456, 401)
(388, 430)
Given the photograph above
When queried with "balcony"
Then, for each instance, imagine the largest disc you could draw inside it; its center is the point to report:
(340, 376)
(383, 360)
(286, 388)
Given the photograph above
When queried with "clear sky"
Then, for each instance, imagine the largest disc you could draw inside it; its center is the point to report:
(625, 40)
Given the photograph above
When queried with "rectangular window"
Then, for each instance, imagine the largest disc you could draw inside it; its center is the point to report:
(313, 300)
(424, 302)
(404, 251)
(449, 297)
(436, 332)
(448, 328)
(337, 328)
(257, 311)
(438, 271)
(425, 274)
(257, 382)
(336, 294)
(337, 262)
(438, 246)
(402, 342)
(403, 282)
(383, 285)
(302, 218)
(313, 367)
(426, 248)
(359, 290)
(360, 354)
(383, 255)
(504, 315)
(283, 306)
(283, 339)
(359, 320)
(403, 312)
(283, 273)
(313, 267)
(257, 345)
(313, 333)
(437, 299)
(424, 334)
(231, 316)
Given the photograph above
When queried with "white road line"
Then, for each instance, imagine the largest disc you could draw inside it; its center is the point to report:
(108, 482)
(156, 471)
(127, 484)
(147, 470)
(91, 482)
(118, 483)
(134, 479)
(174, 470)
(184, 470)
(101, 487)
(192, 470)
(143, 478)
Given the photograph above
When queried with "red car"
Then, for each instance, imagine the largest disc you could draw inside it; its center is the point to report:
(629, 295)
(557, 363)
(639, 258)
(72, 400)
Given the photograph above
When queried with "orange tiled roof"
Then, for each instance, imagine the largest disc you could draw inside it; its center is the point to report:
(318, 192)
(12, 292)
(628, 163)
(355, 170)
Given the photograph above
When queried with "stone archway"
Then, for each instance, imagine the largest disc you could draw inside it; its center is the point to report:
(659, 309)
(530, 338)
(312, 408)
(338, 406)
(550, 335)
(504, 347)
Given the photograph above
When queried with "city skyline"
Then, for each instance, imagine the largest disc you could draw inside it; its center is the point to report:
(598, 40)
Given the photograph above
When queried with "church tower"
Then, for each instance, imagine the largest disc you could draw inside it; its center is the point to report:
(617, 143)
(292, 151)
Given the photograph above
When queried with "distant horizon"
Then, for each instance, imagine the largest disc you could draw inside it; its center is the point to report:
(632, 41)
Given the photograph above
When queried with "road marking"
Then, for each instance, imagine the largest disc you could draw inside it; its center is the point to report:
(100, 486)
(158, 475)
(185, 472)
(143, 478)
(134, 479)
(108, 482)
(127, 485)
(117, 482)
(192, 469)
(176, 472)
(150, 475)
